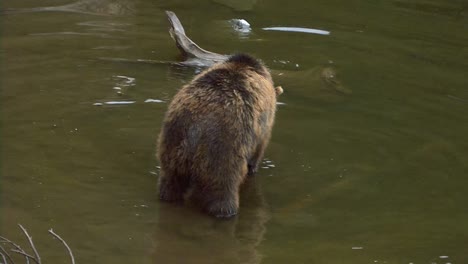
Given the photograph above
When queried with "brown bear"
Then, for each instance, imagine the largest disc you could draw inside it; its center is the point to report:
(215, 132)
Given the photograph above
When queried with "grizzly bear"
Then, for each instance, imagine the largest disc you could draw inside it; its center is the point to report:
(215, 132)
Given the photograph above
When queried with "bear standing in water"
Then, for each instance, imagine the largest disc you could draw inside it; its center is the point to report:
(215, 132)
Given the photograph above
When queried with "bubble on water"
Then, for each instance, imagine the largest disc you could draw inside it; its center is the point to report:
(357, 248)
(444, 257)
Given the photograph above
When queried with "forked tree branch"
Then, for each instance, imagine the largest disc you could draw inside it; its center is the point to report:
(18, 248)
(26, 255)
(5, 254)
(37, 259)
(5, 258)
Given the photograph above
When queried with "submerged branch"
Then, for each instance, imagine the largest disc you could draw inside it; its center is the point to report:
(25, 255)
(18, 248)
(5, 258)
(37, 259)
(5, 254)
(65, 244)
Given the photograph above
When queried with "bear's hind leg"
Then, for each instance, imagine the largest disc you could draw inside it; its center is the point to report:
(218, 195)
(219, 201)
(172, 187)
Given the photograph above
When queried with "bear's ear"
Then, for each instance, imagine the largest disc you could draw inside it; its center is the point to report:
(278, 90)
(246, 60)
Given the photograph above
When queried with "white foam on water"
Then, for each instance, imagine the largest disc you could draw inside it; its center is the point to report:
(299, 29)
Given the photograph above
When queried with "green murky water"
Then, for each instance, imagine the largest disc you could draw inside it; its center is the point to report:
(368, 162)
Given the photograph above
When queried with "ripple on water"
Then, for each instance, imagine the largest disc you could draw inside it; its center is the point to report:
(267, 164)
(125, 80)
(72, 33)
(149, 100)
(104, 25)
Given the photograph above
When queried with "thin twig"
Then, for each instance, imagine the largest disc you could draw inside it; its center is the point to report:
(25, 255)
(15, 245)
(7, 255)
(6, 240)
(65, 244)
(4, 259)
(38, 258)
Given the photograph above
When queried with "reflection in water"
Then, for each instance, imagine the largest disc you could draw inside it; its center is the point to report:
(93, 7)
(188, 236)
(102, 29)
(70, 33)
(187, 65)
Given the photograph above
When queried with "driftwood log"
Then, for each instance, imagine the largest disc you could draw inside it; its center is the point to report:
(194, 55)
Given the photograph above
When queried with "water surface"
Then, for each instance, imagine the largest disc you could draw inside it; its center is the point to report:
(367, 163)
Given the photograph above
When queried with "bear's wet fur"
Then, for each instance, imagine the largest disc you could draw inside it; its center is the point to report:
(215, 132)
